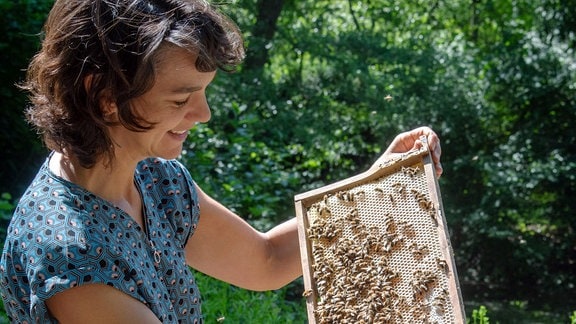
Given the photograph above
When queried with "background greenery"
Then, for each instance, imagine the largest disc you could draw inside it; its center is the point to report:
(495, 79)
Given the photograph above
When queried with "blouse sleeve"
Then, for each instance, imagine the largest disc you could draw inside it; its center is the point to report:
(64, 257)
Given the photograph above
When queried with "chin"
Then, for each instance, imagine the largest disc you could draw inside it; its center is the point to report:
(166, 152)
(171, 155)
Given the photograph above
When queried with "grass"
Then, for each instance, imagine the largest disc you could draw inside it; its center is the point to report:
(517, 312)
(225, 303)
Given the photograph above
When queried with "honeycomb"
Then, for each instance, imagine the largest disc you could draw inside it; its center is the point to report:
(375, 248)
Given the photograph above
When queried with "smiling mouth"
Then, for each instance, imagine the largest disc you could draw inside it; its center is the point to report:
(179, 132)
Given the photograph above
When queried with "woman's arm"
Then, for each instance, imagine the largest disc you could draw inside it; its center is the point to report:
(98, 303)
(226, 247)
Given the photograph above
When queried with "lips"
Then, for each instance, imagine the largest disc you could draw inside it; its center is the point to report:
(179, 135)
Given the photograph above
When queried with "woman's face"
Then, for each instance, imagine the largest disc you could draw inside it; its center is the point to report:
(175, 103)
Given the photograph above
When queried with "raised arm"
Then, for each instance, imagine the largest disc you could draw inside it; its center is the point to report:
(228, 248)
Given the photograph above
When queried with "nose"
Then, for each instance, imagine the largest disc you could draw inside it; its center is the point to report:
(200, 112)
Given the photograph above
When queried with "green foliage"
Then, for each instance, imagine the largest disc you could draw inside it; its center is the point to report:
(20, 23)
(225, 303)
(6, 210)
(479, 316)
(526, 164)
(497, 81)
(3, 317)
(6, 206)
(518, 311)
(573, 318)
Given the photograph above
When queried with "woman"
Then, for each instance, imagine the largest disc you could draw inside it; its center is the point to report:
(107, 229)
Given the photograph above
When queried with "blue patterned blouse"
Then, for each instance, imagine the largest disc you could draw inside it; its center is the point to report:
(62, 236)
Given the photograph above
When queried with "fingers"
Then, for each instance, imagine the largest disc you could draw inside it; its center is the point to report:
(411, 140)
(436, 153)
(434, 147)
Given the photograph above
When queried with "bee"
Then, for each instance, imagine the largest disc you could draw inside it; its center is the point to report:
(345, 196)
(324, 211)
(425, 204)
(318, 252)
(438, 303)
(422, 283)
(380, 191)
(418, 195)
(407, 228)
(400, 188)
(418, 288)
(220, 319)
(425, 276)
(396, 238)
(443, 295)
(442, 264)
(317, 229)
(432, 212)
(388, 223)
(322, 287)
(331, 231)
(353, 217)
(410, 171)
(307, 293)
(388, 98)
(419, 251)
(392, 200)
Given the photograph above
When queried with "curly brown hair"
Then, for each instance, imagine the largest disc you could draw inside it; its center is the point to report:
(114, 44)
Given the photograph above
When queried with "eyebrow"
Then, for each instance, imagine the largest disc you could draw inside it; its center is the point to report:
(186, 89)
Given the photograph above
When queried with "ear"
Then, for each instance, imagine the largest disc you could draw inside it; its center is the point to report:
(107, 105)
(109, 108)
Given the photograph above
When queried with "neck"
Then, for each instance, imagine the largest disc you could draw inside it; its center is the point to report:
(114, 182)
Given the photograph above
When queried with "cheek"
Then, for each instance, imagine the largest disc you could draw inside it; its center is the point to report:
(148, 110)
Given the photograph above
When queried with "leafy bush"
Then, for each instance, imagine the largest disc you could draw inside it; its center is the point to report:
(20, 24)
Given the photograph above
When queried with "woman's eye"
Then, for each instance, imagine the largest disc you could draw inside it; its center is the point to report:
(180, 104)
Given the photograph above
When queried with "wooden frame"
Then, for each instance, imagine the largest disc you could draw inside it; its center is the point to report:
(386, 226)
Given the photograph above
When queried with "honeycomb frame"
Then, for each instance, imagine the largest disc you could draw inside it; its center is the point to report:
(375, 247)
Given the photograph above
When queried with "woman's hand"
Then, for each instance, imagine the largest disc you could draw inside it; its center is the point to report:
(410, 140)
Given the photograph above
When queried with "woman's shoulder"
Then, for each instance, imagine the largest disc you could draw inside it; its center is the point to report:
(159, 166)
(57, 214)
(167, 177)
(61, 219)
(168, 187)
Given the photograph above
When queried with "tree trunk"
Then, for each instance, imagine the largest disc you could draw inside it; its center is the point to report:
(263, 33)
